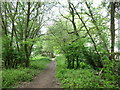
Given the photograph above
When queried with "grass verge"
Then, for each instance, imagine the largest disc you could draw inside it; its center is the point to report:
(11, 78)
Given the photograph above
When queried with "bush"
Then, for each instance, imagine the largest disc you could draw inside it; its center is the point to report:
(83, 77)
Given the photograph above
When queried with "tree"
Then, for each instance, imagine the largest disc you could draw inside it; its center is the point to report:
(21, 24)
(112, 27)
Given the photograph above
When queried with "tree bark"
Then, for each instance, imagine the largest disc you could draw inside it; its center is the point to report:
(77, 61)
(73, 19)
(26, 36)
(119, 31)
(112, 28)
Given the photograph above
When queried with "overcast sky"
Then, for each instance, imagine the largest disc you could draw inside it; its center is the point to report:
(56, 10)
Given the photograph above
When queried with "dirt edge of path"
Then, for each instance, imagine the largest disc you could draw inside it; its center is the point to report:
(46, 79)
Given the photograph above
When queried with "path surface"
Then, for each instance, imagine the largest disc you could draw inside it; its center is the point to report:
(45, 79)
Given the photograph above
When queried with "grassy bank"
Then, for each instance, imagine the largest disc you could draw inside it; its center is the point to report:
(13, 77)
(80, 78)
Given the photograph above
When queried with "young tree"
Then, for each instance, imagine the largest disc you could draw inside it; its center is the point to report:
(21, 24)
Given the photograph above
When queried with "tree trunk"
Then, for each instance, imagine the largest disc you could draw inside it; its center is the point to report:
(77, 61)
(26, 36)
(119, 31)
(73, 60)
(96, 26)
(112, 27)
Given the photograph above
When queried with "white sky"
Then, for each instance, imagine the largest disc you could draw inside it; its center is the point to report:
(56, 13)
(56, 9)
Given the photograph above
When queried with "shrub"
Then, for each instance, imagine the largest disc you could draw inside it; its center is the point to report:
(81, 78)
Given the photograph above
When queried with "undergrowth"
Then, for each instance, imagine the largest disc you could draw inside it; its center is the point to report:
(11, 78)
(80, 78)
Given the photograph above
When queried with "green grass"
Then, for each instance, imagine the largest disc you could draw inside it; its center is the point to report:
(79, 78)
(13, 77)
(39, 63)
(39, 57)
(0, 79)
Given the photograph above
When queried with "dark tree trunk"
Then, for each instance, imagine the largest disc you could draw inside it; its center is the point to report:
(77, 60)
(68, 66)
(112, 27)
(73, 60)
(26, 36)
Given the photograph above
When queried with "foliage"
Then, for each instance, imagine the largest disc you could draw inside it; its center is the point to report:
(80, 78)
(74, 49)
(13, 77)
(39, 57)
(21, 24)
(82, 36)
(111, 72)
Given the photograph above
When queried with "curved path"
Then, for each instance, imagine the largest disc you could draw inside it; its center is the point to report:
(45, 79)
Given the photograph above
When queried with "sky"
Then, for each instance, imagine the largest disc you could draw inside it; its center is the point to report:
(58, 9)
(56, 14)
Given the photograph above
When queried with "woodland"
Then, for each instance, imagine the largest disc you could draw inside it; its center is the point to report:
(82, 37)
